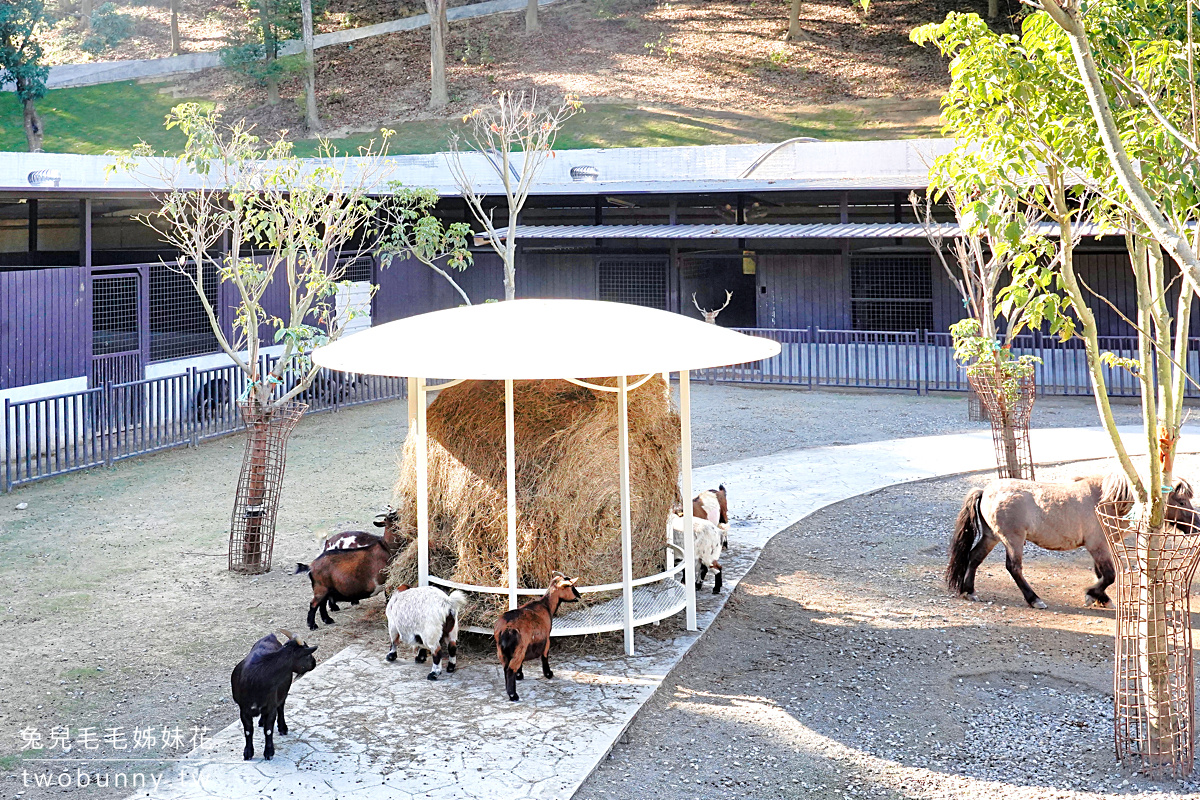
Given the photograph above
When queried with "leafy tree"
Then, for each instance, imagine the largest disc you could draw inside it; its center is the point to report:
(409, 229)
(1035, 105)
(514, 137)
(273, 22)
(255, 216)
(21, 61)
(996, 235)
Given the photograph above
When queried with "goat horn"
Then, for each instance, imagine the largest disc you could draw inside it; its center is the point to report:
(286, 633)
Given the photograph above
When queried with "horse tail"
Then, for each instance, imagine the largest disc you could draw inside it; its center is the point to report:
(967, 529)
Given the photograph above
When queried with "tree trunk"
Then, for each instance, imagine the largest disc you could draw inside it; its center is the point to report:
(176, 47)
(794, 32)
(438, 96)
(531, 16)
(264, 16)
(33, 127)
(993, 9)
(310, 78)
(252, 528)
(85, 13)
(1154, 655)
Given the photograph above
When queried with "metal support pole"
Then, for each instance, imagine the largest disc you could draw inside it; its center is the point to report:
(689, 541)
(412, 404)
(510, 473)
(626, 526)
(422, 445)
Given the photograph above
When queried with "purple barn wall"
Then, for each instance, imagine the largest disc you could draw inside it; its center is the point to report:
(45, 325)
(804, 290)
(407, 287)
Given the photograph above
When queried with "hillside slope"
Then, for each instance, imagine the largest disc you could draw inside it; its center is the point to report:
(724, 56)
(652, 72)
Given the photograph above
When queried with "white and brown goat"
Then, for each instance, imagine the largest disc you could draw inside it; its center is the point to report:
(713, 505)
(350, 574)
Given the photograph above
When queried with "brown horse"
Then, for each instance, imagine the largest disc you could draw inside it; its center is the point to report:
(1056, 516)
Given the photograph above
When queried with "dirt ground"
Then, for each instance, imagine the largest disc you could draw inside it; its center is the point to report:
(117, 609)
(841, 668)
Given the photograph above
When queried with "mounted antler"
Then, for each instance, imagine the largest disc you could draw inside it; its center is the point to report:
(711, 316)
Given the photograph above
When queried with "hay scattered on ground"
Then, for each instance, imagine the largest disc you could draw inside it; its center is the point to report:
(568, 495)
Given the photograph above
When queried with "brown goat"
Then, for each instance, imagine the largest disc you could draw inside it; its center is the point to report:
(526, 631)
(351, 574)
(389, 520)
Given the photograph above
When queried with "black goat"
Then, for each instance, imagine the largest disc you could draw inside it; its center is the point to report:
(261, 682)
(212, 395)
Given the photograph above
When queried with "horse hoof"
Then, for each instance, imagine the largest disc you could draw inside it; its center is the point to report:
(974, 598)
(1038, 603)
(391, 656)
(432, 676)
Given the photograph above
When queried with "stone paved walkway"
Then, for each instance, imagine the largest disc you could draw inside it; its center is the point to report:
(364, 728)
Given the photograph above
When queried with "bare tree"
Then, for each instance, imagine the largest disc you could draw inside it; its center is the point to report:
(176, 45)
(515, 138)
(85, 13)
(310, 79)
(531, 16)
(794, 32)
(438, 28)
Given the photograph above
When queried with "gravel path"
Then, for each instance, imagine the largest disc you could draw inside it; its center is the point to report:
(734, 422)
(841, 668)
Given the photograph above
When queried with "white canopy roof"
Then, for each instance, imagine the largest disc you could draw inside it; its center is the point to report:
(534, 339)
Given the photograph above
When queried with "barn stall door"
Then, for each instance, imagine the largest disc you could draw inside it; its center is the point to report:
(118, 354)
(709, 276)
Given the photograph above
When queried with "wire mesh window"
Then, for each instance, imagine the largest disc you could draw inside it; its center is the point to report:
(635, 280)
(179, 325)
(357, 269)
(114, 314)
(891, 293)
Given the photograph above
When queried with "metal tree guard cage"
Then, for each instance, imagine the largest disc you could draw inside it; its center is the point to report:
(252, 529)
(1153, 680)
(1009, 414)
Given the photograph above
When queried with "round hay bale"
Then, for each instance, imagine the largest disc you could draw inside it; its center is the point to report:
(568, 492)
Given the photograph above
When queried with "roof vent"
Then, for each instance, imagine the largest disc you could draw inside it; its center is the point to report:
(45, 177)
(585, 174)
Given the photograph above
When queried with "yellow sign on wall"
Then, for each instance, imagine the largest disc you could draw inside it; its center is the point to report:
(748, 264)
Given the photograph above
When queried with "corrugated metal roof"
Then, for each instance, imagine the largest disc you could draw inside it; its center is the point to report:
(885, 165)
(849, 230)
(852, 230)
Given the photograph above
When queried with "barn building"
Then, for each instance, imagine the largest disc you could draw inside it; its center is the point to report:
(807, 237)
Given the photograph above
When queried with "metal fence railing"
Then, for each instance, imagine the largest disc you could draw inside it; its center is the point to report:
(924, 362)
(97, 427)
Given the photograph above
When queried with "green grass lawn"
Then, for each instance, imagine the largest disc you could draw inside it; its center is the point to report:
(95, 119)
(628, 125)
